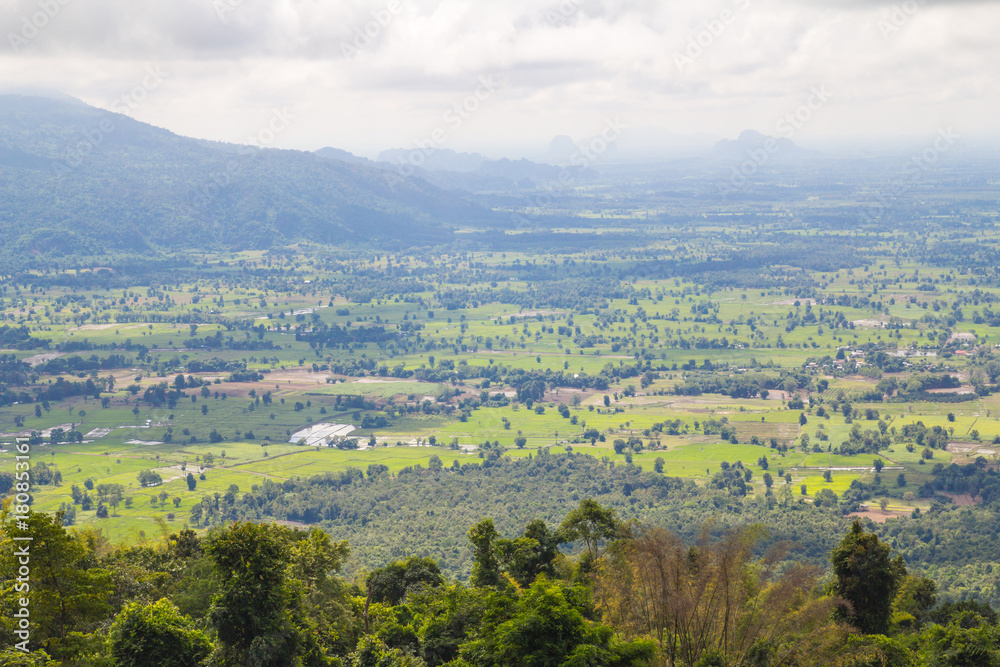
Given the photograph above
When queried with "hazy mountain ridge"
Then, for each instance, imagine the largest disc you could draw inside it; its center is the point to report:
(749, 141)
(79, 179)
(473, 172)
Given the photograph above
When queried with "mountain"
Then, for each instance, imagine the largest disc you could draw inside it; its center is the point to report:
(434, 159)
(331, 153)
(475, 173)
(80, 180)
(752, 142)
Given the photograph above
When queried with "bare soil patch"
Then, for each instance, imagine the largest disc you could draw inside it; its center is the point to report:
(791, 302)
(961, 499)
(566, 394)
(38, 359)
(380, 380)
(877, 516)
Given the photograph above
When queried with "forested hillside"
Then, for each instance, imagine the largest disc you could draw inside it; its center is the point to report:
(81, 180)
(635, 594)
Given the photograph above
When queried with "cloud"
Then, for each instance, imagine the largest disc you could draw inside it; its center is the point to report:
(373, 72)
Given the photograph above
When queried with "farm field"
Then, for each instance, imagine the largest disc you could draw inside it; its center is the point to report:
(801, 388)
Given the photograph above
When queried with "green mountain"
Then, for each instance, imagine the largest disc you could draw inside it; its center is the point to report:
(75, 179)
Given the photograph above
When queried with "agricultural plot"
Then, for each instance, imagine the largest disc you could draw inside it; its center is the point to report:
(466, 355)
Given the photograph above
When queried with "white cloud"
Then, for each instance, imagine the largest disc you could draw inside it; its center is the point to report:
(566, 65)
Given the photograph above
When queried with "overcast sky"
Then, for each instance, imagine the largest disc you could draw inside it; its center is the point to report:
(520, 71)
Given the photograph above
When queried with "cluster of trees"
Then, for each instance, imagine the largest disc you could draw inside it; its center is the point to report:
(626, 594)
(428, 506)
(423, 509)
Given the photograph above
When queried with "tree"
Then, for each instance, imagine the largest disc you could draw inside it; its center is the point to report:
(549, 627)
(916, 597)
(250, 613)
(867, 578)
(156, 634)
(879, 464)
(955, 646)
(486, 561)
(67, 594)
(149, 478)
(390, 584)
(191, 482)
(594, 525)
(658, 464)
(520, 441)
(710, 600)
(372, 652)
(532, 554)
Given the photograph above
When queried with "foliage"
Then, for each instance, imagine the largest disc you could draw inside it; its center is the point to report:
(867, 579)
(156, 634)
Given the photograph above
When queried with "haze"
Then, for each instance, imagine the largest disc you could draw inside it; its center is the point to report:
(892, 70)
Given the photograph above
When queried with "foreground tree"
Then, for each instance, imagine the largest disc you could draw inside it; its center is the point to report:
(68, 595)
(595, 526)
(486, 559)
(867, 578)
(156, 634)
(391, 584)
(548, 626)
(713, 602)
(259, 613)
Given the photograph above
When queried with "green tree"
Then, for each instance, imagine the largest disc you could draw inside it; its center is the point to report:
(954, 646)
(875, 651)
(915, 598)
(531, 555)
(372, 652)
(868, 578)
(594, 525)
(191, 482)
(391, 583)
(149, 478)
(251, 611)
(485, 556)
(67, 593)
(323, 608)
(156, 634)
(550, 627)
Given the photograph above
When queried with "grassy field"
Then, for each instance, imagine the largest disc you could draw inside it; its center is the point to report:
(447, 346)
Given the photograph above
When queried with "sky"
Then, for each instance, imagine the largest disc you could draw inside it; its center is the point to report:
(503, 77)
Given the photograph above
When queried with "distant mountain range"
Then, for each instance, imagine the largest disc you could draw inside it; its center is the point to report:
(464, 172)
(751, 142)
(77, 179)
